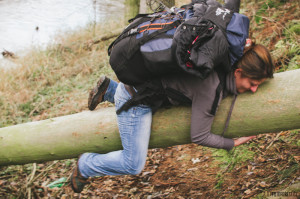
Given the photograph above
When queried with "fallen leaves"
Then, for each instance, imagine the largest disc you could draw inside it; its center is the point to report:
(186, 171)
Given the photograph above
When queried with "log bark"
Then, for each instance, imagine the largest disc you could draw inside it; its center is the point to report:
(275, 107)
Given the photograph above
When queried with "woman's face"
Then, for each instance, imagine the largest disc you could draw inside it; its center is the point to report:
(244, 84)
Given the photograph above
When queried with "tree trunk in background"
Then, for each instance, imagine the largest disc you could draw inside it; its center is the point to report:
(143, 7)
(131, 9)
(169, 3)
(275, 107)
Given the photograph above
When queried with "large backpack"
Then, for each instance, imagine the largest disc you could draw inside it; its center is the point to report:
(195, 38)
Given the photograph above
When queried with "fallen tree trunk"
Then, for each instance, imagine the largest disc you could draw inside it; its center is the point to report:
(275, 107)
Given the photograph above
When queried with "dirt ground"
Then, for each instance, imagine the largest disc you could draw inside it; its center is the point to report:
(267, 165)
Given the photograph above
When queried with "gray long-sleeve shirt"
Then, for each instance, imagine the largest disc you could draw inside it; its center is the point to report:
(202, 94)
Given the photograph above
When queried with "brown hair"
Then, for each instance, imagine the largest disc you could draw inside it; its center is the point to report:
(256, 63)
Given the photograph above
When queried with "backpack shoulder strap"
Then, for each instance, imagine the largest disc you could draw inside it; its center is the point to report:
(177, 96)
(229, 114)
(220, 88)
(150, 93)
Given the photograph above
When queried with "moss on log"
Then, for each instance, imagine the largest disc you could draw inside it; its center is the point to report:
(275, 107)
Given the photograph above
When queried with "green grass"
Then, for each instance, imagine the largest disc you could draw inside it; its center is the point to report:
(229, 159)
(264, 8)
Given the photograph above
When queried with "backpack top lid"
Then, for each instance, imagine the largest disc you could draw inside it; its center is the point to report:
(237, 32)
(236, 28)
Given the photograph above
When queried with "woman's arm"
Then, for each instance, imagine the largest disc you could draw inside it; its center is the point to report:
(201, 122)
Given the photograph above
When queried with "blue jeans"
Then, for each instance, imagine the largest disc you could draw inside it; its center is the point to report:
(134, 127)
(110, 92)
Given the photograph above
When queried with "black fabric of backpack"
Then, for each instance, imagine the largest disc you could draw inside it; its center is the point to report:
(171, 42)
(192, 39)
(143, 50)
(200, 43)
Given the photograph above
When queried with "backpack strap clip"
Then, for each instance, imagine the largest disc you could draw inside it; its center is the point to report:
(220, 88)
(133, 31)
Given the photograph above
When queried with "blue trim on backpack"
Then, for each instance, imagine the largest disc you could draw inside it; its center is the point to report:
(237, 32)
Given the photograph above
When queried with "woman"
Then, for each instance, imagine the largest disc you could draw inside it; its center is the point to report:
(135, 124)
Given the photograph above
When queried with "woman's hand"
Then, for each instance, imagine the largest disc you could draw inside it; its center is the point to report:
(242, 140)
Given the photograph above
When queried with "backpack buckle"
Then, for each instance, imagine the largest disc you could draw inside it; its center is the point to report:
(133, 31)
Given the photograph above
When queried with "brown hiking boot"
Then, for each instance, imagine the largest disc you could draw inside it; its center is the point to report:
(97, 94)
(77, 180)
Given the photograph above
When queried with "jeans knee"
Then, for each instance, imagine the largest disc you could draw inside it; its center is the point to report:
(134, 168)
(134, 171)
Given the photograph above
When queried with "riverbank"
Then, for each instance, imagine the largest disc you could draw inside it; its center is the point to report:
(56, 81)
(52, 82)
(36, 23)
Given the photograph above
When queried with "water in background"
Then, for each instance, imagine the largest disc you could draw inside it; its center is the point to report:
(35, 22)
